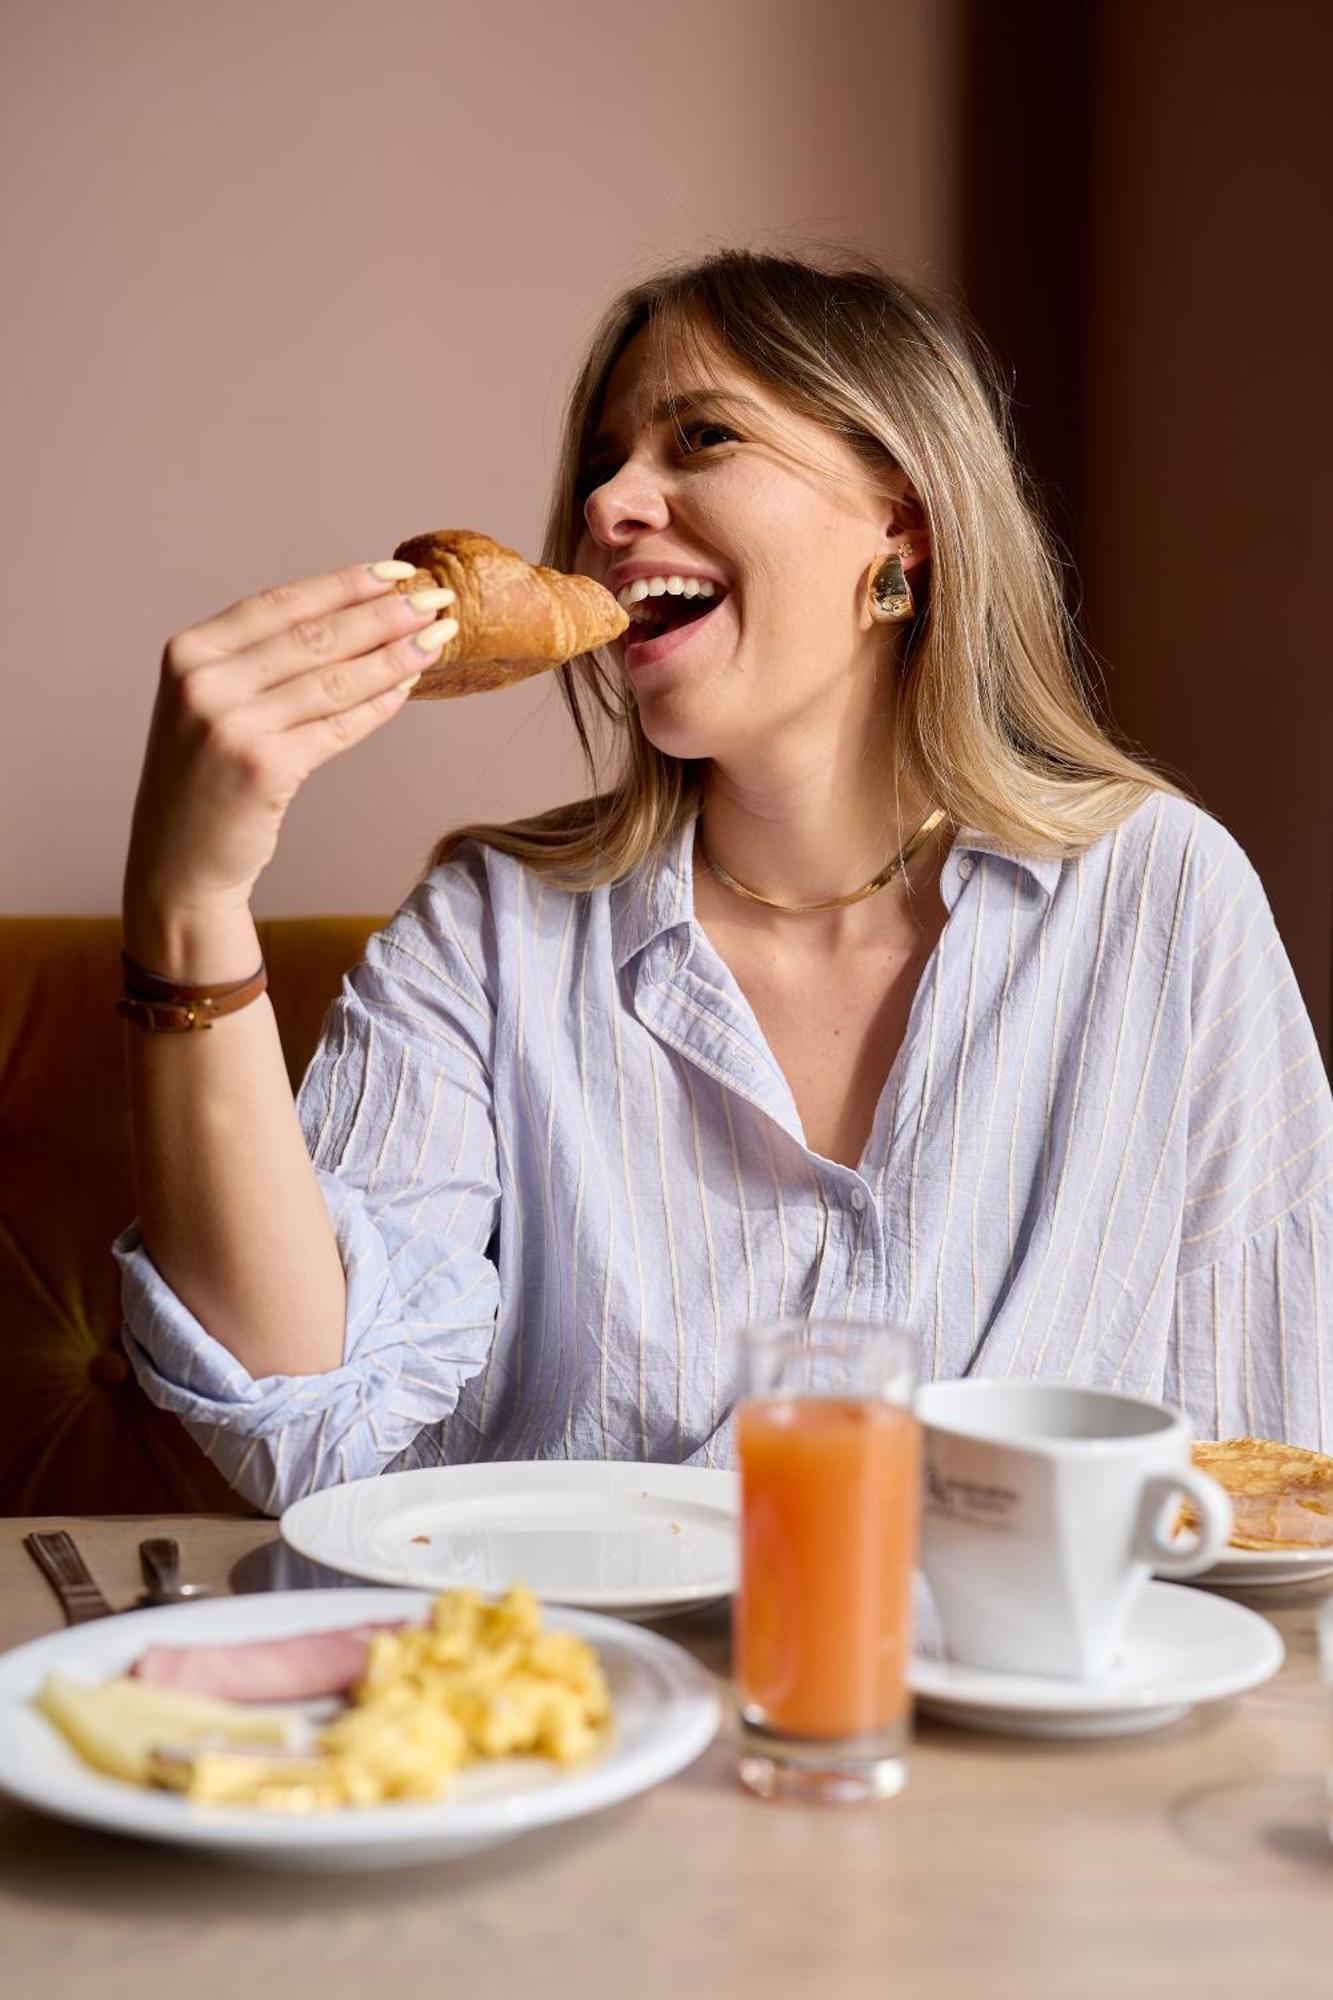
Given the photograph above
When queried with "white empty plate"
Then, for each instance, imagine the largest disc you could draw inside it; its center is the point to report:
(666, 1711)
(607, 1535)
(1181, 1647)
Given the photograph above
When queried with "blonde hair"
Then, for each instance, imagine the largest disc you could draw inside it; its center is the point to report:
(994, 721)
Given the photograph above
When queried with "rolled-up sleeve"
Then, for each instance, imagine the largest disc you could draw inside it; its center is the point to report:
(396, 1108)
(1251, 1341)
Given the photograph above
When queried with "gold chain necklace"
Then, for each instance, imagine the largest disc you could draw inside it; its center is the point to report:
(898, 863)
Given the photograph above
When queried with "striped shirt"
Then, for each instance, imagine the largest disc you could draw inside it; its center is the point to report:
(564, 1169)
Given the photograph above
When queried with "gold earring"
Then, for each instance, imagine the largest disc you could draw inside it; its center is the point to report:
(890, 594)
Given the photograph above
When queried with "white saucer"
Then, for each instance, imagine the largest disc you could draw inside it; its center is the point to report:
(1182, 1647)
(638, 1539)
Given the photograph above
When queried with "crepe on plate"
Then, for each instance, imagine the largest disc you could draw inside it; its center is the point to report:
(1281, 1494)
(515, 618)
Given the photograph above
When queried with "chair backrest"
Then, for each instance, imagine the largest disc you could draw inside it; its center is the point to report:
(77, 1434)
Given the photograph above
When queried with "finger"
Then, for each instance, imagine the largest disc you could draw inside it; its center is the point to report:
(252, 620)
(311, 744)
(333, 689)
(323, 645)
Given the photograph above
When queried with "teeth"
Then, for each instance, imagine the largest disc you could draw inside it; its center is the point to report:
(662, 586)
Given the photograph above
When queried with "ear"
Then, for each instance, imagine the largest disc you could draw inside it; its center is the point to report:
(905, 521)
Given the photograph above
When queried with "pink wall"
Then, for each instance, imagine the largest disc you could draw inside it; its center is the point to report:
(288, 282)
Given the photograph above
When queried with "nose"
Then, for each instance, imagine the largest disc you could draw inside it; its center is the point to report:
(627, 505)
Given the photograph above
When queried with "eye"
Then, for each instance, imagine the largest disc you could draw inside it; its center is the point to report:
(700, 435)
(704, 431)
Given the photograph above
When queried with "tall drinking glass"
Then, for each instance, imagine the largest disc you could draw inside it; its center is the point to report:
(830, 1479)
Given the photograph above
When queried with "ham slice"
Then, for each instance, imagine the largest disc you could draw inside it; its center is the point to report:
(302, 1668)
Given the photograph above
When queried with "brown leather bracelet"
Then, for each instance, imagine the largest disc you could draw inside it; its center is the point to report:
(146, 985)
(166, 1006)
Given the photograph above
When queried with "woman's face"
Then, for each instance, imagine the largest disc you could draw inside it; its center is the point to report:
(788, 645)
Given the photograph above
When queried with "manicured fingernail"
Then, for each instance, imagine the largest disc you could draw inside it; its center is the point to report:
(410, 682)
(435, 636)
(429, 600)
(391, 572)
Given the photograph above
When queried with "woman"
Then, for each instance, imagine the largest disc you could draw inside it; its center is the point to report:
(878, 981)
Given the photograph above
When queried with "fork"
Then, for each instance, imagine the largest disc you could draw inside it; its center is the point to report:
(66, 1572)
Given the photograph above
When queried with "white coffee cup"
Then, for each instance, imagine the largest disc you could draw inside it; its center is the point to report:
(1047, 1507)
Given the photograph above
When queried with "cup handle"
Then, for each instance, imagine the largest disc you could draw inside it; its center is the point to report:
(1210, 1503)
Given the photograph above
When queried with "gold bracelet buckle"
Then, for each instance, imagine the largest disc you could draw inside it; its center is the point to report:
(164, 1017)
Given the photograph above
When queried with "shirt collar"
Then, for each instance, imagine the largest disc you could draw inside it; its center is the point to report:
(659, 895)
(656, 897)
(1044, 869)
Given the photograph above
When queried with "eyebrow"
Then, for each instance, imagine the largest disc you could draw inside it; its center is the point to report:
(677, 406)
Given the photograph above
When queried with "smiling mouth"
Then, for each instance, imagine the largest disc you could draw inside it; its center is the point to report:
(648, 642)
(653, 616)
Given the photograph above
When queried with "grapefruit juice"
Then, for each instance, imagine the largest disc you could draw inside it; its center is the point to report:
(829, 1520)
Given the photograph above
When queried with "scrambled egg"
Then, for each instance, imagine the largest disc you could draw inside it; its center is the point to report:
(479, 1680)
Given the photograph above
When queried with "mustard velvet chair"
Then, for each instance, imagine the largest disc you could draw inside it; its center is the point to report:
(77, 1434)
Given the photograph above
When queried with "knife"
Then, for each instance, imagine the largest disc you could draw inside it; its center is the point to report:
(64, 1569)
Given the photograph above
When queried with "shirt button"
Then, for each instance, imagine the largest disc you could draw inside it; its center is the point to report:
(858, 1200)
(965, 867)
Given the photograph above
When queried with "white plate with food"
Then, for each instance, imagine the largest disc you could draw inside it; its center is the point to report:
(1282, 1507)
(641, 1540)
(664, 1710)
(1180, 1648)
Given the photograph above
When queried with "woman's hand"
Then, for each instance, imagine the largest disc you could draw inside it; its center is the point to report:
(248, 705)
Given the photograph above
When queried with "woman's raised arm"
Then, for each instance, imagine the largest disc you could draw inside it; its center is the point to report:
(249, 704)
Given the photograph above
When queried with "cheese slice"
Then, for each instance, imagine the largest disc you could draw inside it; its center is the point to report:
(116, 1727)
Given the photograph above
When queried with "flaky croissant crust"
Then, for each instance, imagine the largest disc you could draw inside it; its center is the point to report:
(515, 618)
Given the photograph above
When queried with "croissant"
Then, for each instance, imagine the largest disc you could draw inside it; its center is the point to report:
(515, 618)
